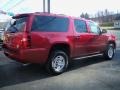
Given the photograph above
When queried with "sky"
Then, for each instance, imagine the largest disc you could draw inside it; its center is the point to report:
(68, 7)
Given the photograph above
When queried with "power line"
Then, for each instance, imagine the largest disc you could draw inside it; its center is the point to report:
(9, 4)
(6, 3)
(15, 5)
(9, 13)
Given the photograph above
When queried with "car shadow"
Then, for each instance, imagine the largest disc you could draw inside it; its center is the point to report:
(85, 62)
(16, 73)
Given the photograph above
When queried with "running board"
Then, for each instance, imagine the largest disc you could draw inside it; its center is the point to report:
(87, 56)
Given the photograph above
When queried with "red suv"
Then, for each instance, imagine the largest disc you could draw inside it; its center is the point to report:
(54, 40)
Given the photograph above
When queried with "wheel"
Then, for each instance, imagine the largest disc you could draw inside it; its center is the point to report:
(57, 63)
(109, 52)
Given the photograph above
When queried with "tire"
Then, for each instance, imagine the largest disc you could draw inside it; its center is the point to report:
(57, 63)
(109, 52)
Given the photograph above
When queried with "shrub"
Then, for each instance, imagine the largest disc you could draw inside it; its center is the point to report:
(107, 24)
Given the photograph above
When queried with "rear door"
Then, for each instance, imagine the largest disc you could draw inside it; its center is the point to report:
(98, 41)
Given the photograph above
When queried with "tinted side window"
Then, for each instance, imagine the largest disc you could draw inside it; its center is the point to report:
(94, 28)
(50, 24)
(18, 25)
(80, 26)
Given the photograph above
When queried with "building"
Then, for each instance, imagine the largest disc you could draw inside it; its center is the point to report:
(2, 28)
(117, 22)
(109, 19)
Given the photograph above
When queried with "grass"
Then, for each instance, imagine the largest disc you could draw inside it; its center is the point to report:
(107, 28)
(110, 28)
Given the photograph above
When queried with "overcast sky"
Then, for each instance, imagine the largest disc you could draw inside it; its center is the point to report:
(68, 7)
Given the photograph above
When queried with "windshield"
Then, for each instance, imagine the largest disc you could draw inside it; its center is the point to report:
(18, 25)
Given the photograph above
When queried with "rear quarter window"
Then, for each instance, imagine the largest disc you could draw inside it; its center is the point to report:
(18, 25)
(50, 24)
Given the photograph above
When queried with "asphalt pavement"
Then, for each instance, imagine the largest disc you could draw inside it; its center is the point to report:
(86, 74)
(93, 73)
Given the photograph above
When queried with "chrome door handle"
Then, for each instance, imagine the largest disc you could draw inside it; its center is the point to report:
(77, 37)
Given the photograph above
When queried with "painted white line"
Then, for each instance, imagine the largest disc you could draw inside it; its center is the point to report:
(117, 48)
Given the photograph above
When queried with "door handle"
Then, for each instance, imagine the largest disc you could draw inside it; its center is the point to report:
(77, 37)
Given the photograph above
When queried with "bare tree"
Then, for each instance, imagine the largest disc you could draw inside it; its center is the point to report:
(82, 15)
(86, 15)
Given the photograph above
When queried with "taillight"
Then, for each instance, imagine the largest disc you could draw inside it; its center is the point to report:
(26, 41)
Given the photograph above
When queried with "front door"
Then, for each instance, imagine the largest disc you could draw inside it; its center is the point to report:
(98, 40)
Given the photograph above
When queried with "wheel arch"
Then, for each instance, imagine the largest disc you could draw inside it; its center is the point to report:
(112, 42)
(61, 46)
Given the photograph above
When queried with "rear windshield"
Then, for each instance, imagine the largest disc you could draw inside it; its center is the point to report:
(18, 25)
(50, 24)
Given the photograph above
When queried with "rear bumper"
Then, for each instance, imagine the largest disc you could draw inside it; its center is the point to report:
(27, 55)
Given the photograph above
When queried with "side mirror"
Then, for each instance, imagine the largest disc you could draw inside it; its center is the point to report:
(104, 31)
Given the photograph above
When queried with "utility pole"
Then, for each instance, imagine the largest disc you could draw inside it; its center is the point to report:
(48, 6)
(44, 5)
